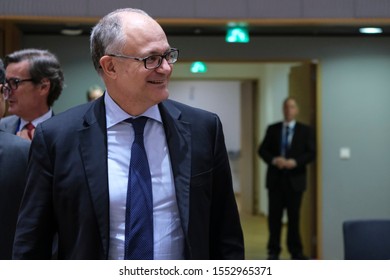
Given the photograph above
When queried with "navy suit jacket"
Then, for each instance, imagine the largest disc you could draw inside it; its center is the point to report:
(302, 150)
(10, 124)
(67, 186)
(13, 166)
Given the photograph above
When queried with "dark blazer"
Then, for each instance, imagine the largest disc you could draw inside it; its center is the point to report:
(13, 166)
(302, 150)
(10, 124)
(67, 186)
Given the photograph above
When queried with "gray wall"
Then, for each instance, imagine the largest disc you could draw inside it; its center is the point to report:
(74, 56)
(354, 103)
(215, 9)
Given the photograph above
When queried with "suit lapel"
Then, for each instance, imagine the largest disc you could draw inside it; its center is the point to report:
(93, 146)
(279, 137)
(178, 134)
(295, 136)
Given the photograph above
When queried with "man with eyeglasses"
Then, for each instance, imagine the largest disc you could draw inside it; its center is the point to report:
(34, 80)
(13, 165)
(131, 175)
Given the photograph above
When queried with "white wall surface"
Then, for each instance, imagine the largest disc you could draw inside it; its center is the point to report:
(220, 97)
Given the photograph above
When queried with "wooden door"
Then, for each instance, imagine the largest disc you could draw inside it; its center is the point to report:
(302, 87)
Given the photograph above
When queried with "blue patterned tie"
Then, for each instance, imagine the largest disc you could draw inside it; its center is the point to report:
(139, 202)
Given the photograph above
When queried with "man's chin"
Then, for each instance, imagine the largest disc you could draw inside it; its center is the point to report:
(163, 95)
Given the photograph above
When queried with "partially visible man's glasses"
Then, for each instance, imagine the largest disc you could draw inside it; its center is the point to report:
(5, 91)
(12, 84)
(153, 61)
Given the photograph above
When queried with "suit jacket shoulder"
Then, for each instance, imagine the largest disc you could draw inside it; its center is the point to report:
(13, 165)
(277, 125)
(13, 143)
(186, 112)
(9, 124)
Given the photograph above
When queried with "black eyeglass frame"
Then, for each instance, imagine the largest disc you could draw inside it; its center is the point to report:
(13, 83)
(160, 56)
(4, 90)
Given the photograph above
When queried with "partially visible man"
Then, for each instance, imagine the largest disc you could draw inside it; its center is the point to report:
(94, 92)
(131, 175)
(35, 80)
(13, 165)
(287, 148)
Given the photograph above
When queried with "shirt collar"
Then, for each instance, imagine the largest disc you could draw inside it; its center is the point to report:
(37, 121)
(290, 124)
(115, 114)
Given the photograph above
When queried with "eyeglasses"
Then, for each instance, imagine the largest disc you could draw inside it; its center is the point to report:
(5, 91)
(153, 61)
(12, 84)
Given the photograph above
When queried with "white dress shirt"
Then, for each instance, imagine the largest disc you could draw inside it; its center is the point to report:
(37, 121)
(168, 234)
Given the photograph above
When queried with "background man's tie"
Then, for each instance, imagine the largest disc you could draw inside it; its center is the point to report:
(139, 203)
(27, 132)
(285, 144)
(30, 127)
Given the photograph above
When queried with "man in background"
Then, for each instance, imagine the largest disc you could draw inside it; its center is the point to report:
(131, 175)
(35, 80)
(13, 165)
(287, 148)
(94, 92)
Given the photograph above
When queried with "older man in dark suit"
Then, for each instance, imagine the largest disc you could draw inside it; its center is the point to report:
(13, 165)
(287, 148)
(175, 201)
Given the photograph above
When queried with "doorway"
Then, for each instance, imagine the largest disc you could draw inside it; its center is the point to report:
(262, 89)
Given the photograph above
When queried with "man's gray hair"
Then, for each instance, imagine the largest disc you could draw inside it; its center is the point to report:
(108, 36)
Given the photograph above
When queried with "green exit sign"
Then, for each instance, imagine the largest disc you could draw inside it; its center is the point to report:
(237, 34)
(198, 67)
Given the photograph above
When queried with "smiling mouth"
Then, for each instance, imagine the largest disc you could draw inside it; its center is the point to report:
(157, 82)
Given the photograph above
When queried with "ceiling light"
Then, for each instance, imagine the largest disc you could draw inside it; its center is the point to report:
(71, 31)
(370, 30)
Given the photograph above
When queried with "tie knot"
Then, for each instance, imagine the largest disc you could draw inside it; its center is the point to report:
(138, 124)
(29, 126)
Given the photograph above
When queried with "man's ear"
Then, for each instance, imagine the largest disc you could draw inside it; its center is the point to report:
(45, 85)
(108, 66)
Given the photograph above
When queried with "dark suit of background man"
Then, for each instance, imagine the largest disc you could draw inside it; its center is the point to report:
(13, 165)
(79, 166)
(287, 148)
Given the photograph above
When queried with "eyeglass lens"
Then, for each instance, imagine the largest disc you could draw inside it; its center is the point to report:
(155, 61)
(5, 91)
(13, 83)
